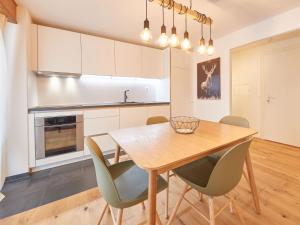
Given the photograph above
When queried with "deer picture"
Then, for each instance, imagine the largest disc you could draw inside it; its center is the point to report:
(207, 84)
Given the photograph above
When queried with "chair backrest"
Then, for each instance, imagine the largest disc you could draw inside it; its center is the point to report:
(156, 120)
(104, 179)
(228, 170)
(235, 121)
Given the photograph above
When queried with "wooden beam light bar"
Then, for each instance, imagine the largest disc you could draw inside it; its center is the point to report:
(182, 9)
(9, 9)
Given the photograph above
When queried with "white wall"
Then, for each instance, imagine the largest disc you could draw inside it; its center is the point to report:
(17, 40)
(3, 102)
(214, 110)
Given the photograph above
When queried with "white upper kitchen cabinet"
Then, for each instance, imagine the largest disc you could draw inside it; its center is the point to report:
(152, 63)
(98, 55)
(128, 59)
(58, 51)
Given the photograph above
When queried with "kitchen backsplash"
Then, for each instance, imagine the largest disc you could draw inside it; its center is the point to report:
(95, 89)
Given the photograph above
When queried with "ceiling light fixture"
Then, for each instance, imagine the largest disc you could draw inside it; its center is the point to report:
(163, 39)
(174, 41)
(210, 49)
(202, 47)
(186, 44)
(146, 34)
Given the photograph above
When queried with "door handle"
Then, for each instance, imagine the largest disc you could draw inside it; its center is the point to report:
(269, 98)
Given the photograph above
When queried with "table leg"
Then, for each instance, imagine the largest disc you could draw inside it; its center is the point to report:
(117, 154)
(152, 186)
(252, 183)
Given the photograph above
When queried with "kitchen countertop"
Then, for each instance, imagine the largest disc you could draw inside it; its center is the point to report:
(84, 106)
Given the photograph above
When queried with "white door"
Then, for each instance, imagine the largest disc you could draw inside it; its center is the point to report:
(281, 93)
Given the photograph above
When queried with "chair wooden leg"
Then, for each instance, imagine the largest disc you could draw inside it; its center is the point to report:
(158, 221)
(102, 213)
(245, 176)
(238, 213)
(167, 196)
(143, 205)
(230, 206)
(119, 217)
(178, 204)
(200, 196)
(211, 211)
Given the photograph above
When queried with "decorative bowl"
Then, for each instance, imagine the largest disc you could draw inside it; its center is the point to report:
(184, 124)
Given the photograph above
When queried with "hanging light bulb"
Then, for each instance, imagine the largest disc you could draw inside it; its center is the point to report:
(202, 47)
(210, 49)
(146, 34)
(186, 44)
(173, 41)
(163, 39)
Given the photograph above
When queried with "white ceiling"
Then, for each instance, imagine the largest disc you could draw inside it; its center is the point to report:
(123, 19)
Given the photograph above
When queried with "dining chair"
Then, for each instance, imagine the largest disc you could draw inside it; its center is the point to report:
(234, 121)
(156, 120)
(122, 184)
(213, 177)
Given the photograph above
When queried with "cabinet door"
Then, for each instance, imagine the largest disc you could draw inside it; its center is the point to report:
(133, 116)
(98, 55)
(58, 50)
(100, 121)
(152, 63)
(128, 59)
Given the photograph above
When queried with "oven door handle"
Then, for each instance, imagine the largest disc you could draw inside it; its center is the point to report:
(61, 125)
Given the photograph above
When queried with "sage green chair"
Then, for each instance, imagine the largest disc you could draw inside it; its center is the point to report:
(122, 184)
(234, 121)
(213, 178)
(156, 120)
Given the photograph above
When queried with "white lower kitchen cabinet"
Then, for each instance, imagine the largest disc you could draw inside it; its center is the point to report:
(97, 123)
(100, 121)
(137, 116)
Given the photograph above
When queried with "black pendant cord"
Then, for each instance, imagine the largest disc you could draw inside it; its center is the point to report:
(186, 22)
(210, 31)
(163, 14)
(146, 9)
(202, 30)
(173, 14)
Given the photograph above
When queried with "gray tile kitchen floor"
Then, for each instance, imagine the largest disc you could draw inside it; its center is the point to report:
(46, 186)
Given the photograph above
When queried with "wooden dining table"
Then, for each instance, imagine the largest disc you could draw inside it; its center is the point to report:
(158, 149)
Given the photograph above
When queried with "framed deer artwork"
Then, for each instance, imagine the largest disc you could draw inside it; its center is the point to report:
(209, 79)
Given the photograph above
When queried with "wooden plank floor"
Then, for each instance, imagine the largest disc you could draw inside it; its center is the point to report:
(277, 172)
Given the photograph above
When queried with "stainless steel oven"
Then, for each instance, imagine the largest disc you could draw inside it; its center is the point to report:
(58, 135)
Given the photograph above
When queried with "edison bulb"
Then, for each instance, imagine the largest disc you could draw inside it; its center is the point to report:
(202, 47)
(174, 41)
(163, 40)
(146, 35)
(210, 50)
(186, 44)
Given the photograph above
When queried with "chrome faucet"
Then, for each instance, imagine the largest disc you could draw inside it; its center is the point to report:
(125, 95)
